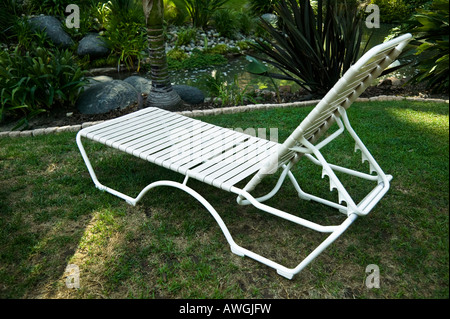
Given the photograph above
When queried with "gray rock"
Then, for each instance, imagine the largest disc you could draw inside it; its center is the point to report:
(97, 79)
(270, 18)
(93, 45)
(189, 94)
(141, 84)
(53, 28)
(106, 96)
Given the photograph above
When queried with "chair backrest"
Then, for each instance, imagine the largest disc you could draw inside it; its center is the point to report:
(349, 87)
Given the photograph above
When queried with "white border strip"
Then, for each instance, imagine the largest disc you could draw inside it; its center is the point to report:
(216, 111)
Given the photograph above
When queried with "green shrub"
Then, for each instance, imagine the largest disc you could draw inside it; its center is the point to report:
(9, 11)
(125, 12)
(245, 22)
(38, 81)
(244, 45)
(175, 12)
(128, 43)
(185, 36)
(201, 11)
(430, 28)
(225, 23)
(392, 11)
(177, 54)
(229, 93)
(259, 7)
(54, 7)
(218, 49)
(196, 60)
(94, 18)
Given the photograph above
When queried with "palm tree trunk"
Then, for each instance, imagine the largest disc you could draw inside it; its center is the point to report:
(162, 94)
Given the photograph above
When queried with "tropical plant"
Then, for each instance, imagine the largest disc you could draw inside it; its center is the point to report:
(430, 28)
(162, 94)
(256, 67)
(127, 42)
(54, 7)
(10, 11)
(93, 18)
(392, 11)
(123, 26)
(175, 12)
(201, 11)
(178, 60)
(225, 23)
(259, 7)
(229, 93)
(124, 12)
(245, 22)
(185, 36)
(38, 81)
(312, 50)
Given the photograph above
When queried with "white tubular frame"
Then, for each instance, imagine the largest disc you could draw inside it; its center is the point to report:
(244, 198)
(331, 109)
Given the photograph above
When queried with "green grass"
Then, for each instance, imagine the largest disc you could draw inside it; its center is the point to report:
(168, 246)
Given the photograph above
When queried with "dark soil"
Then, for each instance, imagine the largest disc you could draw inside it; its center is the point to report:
(71, 116)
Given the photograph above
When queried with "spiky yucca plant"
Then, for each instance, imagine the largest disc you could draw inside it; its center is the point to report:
(313, 50)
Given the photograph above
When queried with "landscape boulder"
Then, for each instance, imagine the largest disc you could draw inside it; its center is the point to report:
(53, 28)
(140, 83)
(189, 94)
(93, 45)
(107, 96)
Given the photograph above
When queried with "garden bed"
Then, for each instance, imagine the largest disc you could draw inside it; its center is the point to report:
(71, 116)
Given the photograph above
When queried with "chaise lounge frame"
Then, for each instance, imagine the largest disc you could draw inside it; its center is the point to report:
(222, 157)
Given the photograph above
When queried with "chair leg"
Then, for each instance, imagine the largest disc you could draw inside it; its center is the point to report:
(335, 232)
(289, 273)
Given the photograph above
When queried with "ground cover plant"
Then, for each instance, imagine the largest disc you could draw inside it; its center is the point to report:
(168, 246)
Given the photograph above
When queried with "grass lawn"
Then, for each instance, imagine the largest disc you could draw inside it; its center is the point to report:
(168, 246)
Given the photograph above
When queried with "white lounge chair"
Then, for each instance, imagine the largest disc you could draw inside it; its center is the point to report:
(222, 157)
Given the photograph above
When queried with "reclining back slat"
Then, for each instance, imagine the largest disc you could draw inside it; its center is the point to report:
(351, 85)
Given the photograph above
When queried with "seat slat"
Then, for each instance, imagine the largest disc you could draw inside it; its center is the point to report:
(247, 158)
(108, 128)
(100, 126)
(183, 167)
(231, 178)
(231, 160)
(182, 152)
(147, 137)
(117, 132)
(165, 141)
(133, 133)
(228, 156)
(200, 149)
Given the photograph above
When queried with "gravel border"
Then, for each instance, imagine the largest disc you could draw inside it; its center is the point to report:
(216, 111)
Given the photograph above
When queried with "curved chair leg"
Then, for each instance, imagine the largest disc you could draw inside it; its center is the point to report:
(133, 201)
(335, 231)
